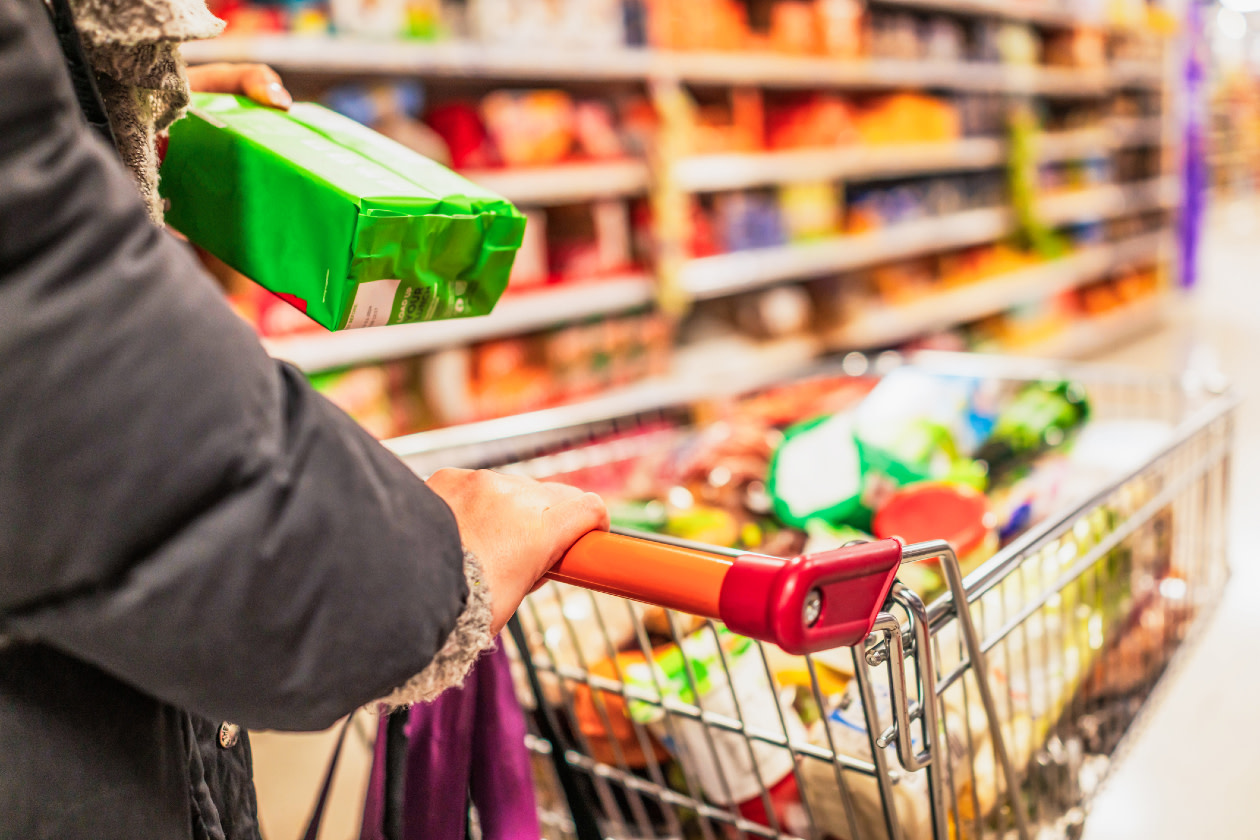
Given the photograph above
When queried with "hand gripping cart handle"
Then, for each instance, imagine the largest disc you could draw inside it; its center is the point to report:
(804, 604)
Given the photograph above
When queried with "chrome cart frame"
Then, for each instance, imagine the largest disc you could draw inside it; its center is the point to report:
(991, 712)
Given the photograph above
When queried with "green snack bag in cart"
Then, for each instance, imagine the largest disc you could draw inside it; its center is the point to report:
(347, 225)
(1042, 416)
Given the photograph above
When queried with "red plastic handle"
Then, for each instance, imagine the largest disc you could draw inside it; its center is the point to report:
(803, 605)
(813, 602)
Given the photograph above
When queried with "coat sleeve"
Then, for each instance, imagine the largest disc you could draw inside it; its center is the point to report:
(175, 507)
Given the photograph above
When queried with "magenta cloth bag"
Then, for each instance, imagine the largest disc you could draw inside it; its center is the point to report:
(469, 742)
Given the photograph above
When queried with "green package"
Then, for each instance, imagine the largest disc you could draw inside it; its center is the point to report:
(349, 226)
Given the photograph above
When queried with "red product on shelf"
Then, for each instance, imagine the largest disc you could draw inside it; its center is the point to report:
(810, 120)
(459, 125)
(530, 128)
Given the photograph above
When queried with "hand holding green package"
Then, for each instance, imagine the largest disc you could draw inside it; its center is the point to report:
(349, 226)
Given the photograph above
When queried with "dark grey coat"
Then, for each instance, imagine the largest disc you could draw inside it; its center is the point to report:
(188, 533)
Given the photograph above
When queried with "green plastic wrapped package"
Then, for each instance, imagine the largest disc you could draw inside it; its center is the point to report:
(349, 226)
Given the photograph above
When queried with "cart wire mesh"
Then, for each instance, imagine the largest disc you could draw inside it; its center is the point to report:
(996, 720)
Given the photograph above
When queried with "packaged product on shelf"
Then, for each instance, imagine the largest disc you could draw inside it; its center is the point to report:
(530, 270)
(943, 39)
(351, 227)
(586, 241)
(382, 398)
(593, 24)
(777, 313)
(810, 210)
(908, 117)
(794, 27)
(736, 124)
(747, 221)
(377, 18)
(697, 25)
(1076, 47)
(461, 128)
(893, 35)
(393, 110)
(595, 131)
(841, 24)
(531, 127)
(812, 120)
(902, 282)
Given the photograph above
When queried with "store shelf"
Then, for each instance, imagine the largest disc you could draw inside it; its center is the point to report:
(896, 324)
(738, 171)
(1116, 133)
(1137, 74)
(345, 55)
(472, 444)
(741, 271)
(570, 182)
(341, 54)
(1092, 336)
(1070, 145)
(745, 270)
(1109, 200)
(1136, 131)
(515, 314)
(710, 173)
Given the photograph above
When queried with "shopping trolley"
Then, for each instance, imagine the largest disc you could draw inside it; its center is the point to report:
(670, 683)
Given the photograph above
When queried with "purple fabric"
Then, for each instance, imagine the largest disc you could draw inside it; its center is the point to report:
(470, 740)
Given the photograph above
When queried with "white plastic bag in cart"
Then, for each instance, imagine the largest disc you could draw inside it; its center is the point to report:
(730, 769)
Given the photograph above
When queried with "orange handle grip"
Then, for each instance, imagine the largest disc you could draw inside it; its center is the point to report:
(677, 578)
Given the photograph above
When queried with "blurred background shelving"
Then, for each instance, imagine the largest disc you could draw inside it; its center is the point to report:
(746, 180)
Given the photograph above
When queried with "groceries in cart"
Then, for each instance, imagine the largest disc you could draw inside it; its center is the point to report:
(1039, 498)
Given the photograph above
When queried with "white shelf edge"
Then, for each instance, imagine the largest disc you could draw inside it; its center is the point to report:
(895, 324)
(515, 314)
(745, 270)
(1086, 338)
(466, 444)
(1107, 201)
(330, 54)
(1067, 145)
(344, 54)
(1115, 133)
(713, 173)
(1136, 131)
(566, 182)
(707, 173)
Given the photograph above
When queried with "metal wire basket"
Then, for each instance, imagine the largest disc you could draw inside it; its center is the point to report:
(661, 673)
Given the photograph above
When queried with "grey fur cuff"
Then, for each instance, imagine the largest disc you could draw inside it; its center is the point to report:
(466, 642)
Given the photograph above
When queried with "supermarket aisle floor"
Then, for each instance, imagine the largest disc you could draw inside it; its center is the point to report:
(1194, 768)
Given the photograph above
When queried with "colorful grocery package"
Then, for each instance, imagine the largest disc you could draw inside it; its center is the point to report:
(353, 229)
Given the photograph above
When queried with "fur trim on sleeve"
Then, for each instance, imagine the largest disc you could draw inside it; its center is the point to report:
(466, 642)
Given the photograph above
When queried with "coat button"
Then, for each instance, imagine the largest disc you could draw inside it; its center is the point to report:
(229, 734)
